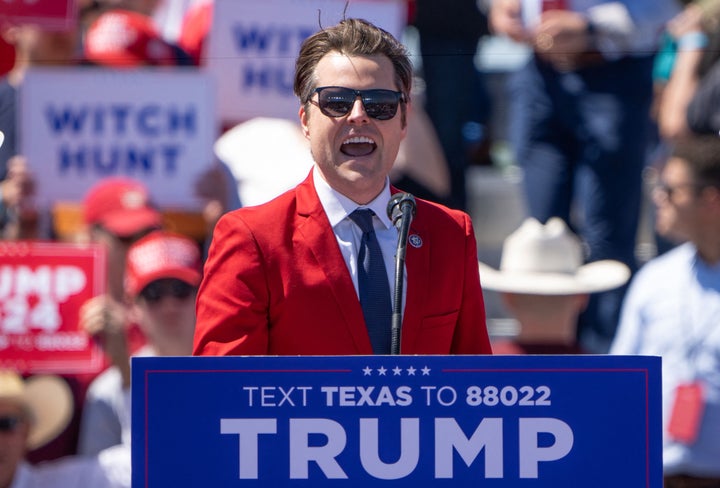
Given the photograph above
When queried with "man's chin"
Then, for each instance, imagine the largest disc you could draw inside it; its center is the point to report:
(669, 233)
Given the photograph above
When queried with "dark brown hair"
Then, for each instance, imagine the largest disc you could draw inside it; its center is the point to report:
(702, 155)
(351, 37)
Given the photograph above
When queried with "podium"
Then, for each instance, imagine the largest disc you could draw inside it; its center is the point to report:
(397, 421)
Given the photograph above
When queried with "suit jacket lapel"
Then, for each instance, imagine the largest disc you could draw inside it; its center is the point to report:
(315, 233)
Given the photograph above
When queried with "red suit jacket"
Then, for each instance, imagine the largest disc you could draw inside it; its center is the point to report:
(275, 283)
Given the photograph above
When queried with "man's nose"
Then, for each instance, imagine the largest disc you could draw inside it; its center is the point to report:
(358, 112)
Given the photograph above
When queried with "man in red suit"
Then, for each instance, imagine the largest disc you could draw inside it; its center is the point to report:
(284, 278)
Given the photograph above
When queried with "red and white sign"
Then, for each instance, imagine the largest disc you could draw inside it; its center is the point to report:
(42, 287)
(50, 14)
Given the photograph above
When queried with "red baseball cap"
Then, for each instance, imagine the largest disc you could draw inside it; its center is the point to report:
(121, 38)
(122, 206)
(161, 255)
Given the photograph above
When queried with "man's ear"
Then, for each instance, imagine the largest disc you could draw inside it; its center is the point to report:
(408, 113)
(712, 195)
(302, 113)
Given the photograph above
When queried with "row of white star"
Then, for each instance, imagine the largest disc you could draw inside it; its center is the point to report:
(396, 371)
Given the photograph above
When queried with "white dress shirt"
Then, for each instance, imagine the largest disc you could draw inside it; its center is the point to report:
(338, 207)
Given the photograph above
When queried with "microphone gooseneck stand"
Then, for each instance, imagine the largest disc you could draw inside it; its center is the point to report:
(401, 210)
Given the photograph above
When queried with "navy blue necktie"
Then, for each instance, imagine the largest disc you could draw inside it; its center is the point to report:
(373, 284)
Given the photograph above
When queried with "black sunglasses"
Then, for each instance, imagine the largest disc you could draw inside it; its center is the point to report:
(10, 423)
(159, 289)
(338, 101)
(667, 191)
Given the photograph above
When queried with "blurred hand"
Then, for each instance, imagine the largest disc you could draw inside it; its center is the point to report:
(106, 321)
(561, 37)
(689, 20)
(19, 185)
(505, 18)
(212, 186)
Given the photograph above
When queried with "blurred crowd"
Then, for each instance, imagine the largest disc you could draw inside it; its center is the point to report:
(610, 103)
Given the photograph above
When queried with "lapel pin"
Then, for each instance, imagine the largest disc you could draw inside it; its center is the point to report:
(415, 240)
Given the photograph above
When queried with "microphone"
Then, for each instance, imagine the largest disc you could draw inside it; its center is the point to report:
(401, 205)
(401, 210)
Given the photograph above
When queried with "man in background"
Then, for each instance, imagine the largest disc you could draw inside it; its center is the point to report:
(579, 124)
(161, 277)
(672, 308)
(545, 286)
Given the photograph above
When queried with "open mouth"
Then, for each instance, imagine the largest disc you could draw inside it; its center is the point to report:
(358, 146)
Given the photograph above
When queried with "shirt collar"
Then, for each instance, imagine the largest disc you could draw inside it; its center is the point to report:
(337, 206)
(702, 267)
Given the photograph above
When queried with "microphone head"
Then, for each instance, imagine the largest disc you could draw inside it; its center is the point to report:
(397, 203)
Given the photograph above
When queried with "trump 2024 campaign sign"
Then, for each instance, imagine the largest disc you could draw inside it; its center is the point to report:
(397, 421)
(80, 125)
(42, 287)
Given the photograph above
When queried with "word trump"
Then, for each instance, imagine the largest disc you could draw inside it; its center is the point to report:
(449, 440)
(30, 297)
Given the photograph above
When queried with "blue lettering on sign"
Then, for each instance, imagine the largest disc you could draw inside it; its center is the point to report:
(151, 120)
(267, 78)
(118, 114)
(147, 120)
(283, 40)
(181, 120)
(126, 159)
(65, 120)
(251, 38)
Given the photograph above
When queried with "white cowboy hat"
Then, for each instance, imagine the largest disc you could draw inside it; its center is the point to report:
(48, 400)
(548, 260)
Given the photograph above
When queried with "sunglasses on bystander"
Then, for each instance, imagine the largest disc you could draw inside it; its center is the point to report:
(159, 289)
(667, 191)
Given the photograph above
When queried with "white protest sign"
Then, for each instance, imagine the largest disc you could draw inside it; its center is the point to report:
(252, 47)
(80, 125)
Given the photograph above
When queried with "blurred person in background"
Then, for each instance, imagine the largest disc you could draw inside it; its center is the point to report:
(456, 98)
(579, 124)
(116, 212)
(162, 272)
(688, 101)
(19, 217)
(32, 412)
(672, 308)
(545, 286)
(33, 46)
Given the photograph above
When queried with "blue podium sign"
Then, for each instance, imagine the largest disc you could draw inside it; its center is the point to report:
(400, 421)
